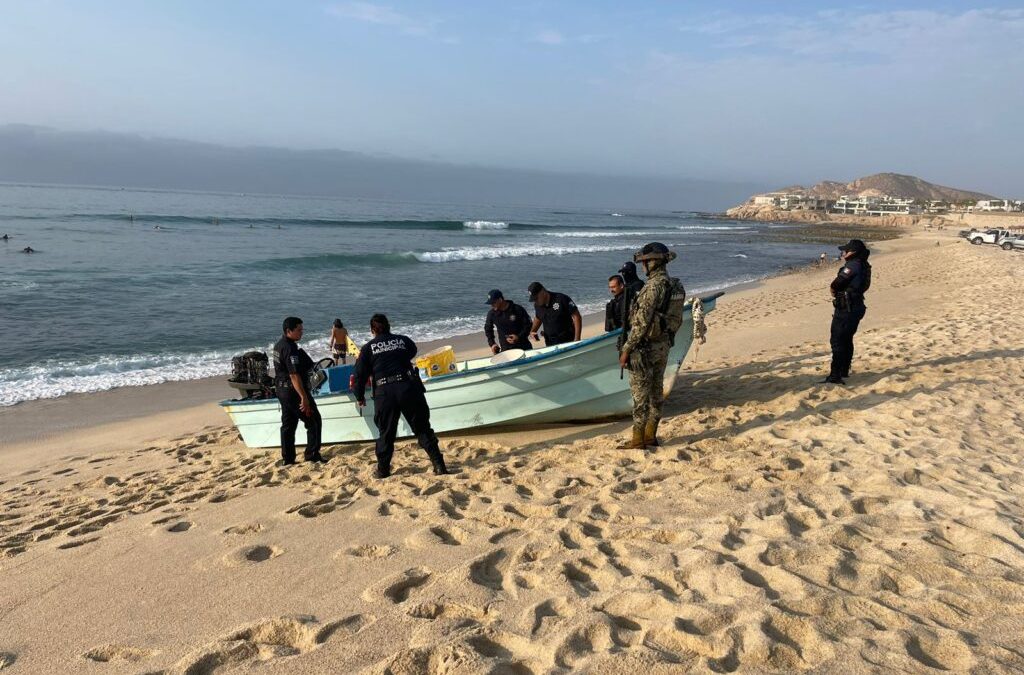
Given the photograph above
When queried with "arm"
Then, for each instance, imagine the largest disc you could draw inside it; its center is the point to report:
(361, 372)
(489, 331)
(646, 304)
(577, 324)
(533, 329)
(523, 336)
(842, 279)
(609, 312)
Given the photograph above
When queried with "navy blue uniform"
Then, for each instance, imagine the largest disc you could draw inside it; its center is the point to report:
(291, 359)
(556, 318)
(615, 311)
(512, 321)
(397, 392)
(848, 288)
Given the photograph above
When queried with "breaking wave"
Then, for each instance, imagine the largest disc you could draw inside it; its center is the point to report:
(495, 252)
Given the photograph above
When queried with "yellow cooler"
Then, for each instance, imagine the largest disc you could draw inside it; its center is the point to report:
(441, 361)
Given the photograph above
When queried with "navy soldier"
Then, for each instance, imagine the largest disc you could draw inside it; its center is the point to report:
(292, 366)
(557, 313)
(397, 392)
(848, 289)
(646, 348)
(512, 322)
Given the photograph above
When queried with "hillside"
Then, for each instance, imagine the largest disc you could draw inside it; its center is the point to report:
(892, 184)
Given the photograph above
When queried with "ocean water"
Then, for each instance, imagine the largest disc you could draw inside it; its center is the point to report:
(132, 287)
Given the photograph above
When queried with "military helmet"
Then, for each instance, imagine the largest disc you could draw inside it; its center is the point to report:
(654, 251)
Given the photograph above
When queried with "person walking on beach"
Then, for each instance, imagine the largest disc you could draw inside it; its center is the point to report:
(511, 320)
(339, 342)
(848, 289)
(292, 366)
(397, 392)
(645, 351)
(557, 313)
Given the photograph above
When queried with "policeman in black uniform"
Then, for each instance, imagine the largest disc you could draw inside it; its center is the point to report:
(848, 289)
(512, 322)
(397, 391)
(633, 281)
(557, 313)
(292, 366)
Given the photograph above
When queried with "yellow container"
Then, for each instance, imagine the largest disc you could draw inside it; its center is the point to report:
(441, 361)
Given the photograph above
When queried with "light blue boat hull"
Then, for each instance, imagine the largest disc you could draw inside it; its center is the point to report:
(579, 381)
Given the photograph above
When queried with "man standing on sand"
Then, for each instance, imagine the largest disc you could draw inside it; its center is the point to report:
(645, 351)
(512, 322)
(292, 366)
(848, 289)
(397, 392)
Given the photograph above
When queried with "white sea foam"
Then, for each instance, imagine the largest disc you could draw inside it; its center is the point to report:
(714, 227)
(494, 252)
(17, 285)
(591, 234)
(485, 225)
(738, 255)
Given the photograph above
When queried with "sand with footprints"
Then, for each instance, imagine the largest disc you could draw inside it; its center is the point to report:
(783, 526)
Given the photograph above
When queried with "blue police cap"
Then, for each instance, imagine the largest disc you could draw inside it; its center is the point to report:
(494, 296)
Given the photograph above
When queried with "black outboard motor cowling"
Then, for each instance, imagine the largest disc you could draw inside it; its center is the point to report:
(250, 376)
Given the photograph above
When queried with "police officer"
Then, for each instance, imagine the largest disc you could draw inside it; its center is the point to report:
(848, 289)
(614, 312)
(292, 366)
(557, 313)
(397, 392)
(633, 282)
(512, 322)
(645, 351)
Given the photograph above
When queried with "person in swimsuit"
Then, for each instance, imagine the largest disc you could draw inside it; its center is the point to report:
(339, 342)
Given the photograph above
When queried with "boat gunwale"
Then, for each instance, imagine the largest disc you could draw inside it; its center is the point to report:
(526, 360)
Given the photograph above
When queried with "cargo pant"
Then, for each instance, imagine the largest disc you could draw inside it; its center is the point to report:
(646, 381)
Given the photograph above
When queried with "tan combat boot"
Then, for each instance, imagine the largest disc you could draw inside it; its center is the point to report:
(637, 442)
(651, 433)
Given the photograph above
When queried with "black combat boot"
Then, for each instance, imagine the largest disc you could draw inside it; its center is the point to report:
(429, 443)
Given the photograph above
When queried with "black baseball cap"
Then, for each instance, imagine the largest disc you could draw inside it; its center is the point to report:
(855, 246)
(534, 289)
(494, 296)
(628, 266)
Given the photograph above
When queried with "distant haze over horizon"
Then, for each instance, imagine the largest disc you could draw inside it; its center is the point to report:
(735, 92)
(102, 159)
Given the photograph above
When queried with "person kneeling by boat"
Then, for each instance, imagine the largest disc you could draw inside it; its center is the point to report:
(292, 366)
(645, 351)
(512, 322)
(397, 392)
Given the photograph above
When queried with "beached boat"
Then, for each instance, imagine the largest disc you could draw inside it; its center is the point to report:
(578, 381)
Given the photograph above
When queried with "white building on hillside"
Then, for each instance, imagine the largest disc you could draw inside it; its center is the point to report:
(792, 202)
(994, 205)
(875, 206)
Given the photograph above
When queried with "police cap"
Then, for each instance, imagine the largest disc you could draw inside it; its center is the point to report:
(494, 296)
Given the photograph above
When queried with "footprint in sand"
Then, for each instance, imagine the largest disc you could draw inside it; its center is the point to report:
(108, 653)
(398, 588)
(249, 528)
(268, 639)
(248, 555)
(183, 526)
(78, 542)
(369, 551)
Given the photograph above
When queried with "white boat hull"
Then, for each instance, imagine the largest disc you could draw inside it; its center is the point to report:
(578, 381)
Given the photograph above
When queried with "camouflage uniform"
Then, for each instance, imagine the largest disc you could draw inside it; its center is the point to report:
(648, 355)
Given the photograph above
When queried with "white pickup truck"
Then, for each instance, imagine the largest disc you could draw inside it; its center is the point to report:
(985, 236)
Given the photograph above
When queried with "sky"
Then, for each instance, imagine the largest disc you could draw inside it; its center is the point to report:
(734, 91)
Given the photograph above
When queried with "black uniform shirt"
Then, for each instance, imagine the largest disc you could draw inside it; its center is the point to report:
(290, 359)
(855, 276)
(556, 317)
(613, 311)
(513, 321)
(383, 356)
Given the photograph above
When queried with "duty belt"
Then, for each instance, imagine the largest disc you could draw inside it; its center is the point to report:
(391, 379)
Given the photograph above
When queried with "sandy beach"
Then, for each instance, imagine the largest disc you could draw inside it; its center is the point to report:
(784, 525)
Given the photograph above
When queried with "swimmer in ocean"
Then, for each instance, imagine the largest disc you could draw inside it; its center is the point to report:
(28, 249)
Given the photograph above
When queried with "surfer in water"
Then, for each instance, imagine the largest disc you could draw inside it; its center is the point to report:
(5, 237)
(28, 249)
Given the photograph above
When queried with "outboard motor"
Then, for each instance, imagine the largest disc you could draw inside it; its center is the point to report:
(249, 375)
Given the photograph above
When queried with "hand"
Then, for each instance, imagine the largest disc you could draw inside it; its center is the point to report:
(534, 337)
(361, 404)
(512, 339)
(495, 349)
(624, 359)
(304, 407)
